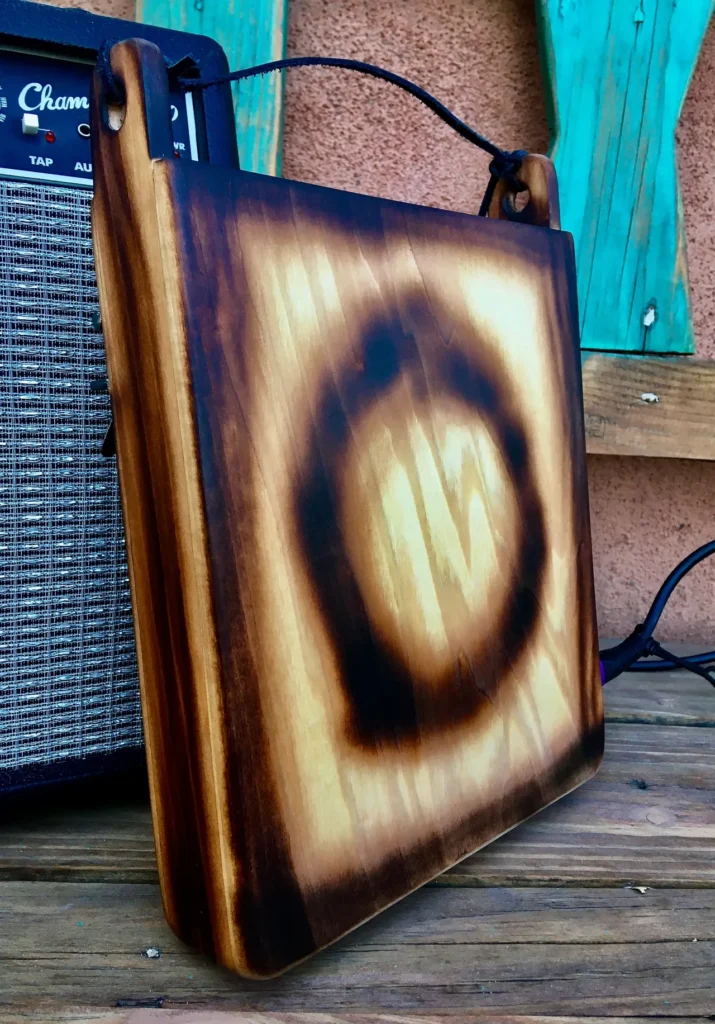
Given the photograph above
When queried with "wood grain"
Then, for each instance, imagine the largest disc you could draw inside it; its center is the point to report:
(540, 190)
(616, 77)
(117, 918)
(87, 1015)
(619, 422)
(358, 541)
(646, 818)
(627, 946)
(159, 488)
(668, 698)
(508, 951)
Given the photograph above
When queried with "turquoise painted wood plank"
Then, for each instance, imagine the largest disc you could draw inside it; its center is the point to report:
(250, 32)
(617, 72)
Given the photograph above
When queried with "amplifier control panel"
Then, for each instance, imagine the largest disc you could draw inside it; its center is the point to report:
(44, 119)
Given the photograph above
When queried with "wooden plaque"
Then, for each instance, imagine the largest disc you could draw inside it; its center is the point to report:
(351, 453)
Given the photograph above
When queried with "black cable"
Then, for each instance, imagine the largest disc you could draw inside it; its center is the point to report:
(684, 567)
(504, 164)
(626, 656)
(682, 662)
(661, 665)
(459, 126)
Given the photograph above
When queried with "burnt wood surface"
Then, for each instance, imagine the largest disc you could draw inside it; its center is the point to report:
(546, 925)
(351, 451)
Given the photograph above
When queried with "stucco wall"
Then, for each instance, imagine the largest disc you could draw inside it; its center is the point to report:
(480, 57)
(114, 8)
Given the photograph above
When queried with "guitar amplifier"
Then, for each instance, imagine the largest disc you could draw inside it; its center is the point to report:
(69, 694)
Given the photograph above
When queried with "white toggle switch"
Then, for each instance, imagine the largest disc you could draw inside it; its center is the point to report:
(30, 124)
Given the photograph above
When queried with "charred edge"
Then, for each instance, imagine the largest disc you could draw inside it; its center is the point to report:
(348, 901)
(186, 859)
(568, 328)
(270, 911)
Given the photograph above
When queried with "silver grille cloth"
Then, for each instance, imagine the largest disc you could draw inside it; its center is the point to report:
(68, 674)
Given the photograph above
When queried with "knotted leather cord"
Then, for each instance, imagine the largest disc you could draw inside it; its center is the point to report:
(504, 164)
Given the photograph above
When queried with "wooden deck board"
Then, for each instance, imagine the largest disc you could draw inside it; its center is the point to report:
(106, 919)
(518, 951)
(660, 698)
(89, 1015)
(538, 926)
(648, 816)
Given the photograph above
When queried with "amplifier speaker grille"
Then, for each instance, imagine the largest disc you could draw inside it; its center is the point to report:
(68, 673)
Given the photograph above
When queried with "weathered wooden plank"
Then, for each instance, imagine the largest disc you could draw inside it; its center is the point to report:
(40, 918)
(250, 32)
(680, 425)
(595, 979)
(516, 951)
(93, 841)
(648, 817)
(87, 1015)
(673, 698)
(573, 856)
(618, 74)
(641, 979)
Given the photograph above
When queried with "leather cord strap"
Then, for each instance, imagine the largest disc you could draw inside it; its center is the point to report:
(505, 164)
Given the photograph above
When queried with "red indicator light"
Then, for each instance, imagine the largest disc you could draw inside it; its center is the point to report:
(50, 136)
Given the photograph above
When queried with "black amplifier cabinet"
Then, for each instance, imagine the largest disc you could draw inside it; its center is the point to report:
(69, 698)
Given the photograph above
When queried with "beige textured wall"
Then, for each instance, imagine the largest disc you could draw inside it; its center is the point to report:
(114, 8)
(480, 57)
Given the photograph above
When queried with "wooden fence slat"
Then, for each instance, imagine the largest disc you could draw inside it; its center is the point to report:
(619, 421)
(250, 32)
(617, 74)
